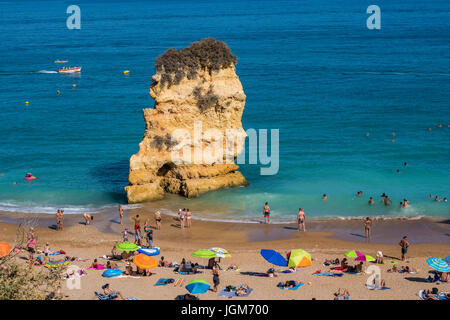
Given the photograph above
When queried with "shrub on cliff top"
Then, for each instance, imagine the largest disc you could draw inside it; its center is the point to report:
(209, 54)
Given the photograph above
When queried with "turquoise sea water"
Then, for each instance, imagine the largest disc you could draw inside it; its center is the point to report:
(311, 69)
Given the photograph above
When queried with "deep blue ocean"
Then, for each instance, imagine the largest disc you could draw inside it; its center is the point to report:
(311, 69)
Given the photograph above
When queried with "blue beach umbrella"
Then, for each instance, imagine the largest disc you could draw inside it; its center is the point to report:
(274, 257)
(197, 286)
(447, 259)
(438, 264)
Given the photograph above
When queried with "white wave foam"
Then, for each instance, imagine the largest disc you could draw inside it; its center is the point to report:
(11, 206)
(47, 71)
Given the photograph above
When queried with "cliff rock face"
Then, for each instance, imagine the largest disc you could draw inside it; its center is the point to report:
(194, 132)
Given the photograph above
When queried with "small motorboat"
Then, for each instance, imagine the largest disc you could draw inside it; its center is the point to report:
(69, 70)
(61, 61)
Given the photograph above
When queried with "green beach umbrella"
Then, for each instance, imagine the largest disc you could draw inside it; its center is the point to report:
(353, 254)
(127, 246)
(204, 253)
(299, 258)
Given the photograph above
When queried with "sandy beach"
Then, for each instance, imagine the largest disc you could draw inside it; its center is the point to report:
(244, 242)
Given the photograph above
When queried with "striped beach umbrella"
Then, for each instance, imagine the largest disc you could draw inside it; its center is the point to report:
(438, 264)
(353, 254)
(56, 263)
(5, 249)
(447, 259)
(220, 252)
(197, 286)
(127, 246)
(365, 258)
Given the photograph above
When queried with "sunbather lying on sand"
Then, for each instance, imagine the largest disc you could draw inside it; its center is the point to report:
(331, 262)
(242, 290)
(129, 270)
(111, 265)
(232, 267)
(430, 295)
(342, 294)
(288, 284)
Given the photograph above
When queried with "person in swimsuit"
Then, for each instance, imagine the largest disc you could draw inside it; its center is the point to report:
(158, 220)
(149, 237)
(405, 203)
(371, 201)
(137, 236)
(137, 222)
(31, 247)
(324, 197)
(58, 220)
(182, 217)
(404, 244)
(437, 199)
(359, 194)
(386, 200)
(216, 279)
(125, 235)
(368, 228)
(266, 211)
(88, 218)
(121, 214)
(188, 218)
(115, 295)
(301, 217)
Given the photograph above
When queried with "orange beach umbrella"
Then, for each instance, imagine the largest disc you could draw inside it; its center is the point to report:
(144, 261)
(5, 249)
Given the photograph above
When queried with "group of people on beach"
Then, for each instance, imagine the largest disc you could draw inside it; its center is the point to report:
(185, 218)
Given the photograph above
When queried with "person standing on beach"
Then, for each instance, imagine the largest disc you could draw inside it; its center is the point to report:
(368, 228)
(266, 212)
(125, 235)
(182, 217)
(31, 246)
(216, 280)
(149, 237)
(404, 244)
(158, 220)
(58, 220)
(137, 222)
(137, 236)
(121, 214)
(188, 218)
(301, 220)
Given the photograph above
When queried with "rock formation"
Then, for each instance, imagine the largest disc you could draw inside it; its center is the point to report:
(194, 132)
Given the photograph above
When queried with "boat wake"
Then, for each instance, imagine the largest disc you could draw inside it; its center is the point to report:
(47, 71)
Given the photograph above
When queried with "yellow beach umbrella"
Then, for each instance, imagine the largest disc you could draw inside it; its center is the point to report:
(299, 258)
(145, 262)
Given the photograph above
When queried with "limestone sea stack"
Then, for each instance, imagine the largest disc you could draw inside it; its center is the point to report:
(194, 132)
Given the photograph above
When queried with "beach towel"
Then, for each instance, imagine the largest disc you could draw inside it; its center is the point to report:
(125, 276)
(328, 274)
(101, 296)
(178, 282)
(293, 288)
(288, 271)
(373, 287)
(164, 281)
(231, 294)
(131, 298)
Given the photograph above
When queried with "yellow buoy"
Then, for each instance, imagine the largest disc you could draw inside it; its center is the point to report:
(74, 85)
(57, 91)
(126, 72)
(26, 102)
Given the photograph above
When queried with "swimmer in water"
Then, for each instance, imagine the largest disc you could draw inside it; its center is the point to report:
(29, 176)
(430, 196)
(359, 194)
(324, 197)
(398, 171)
(386, 200)
(405, 203)
(371, 201)
(405, 164)
(436, 199)
(439, 126)
(445, 199)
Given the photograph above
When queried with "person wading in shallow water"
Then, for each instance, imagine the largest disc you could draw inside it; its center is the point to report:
(301, 220)
(266, 211)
